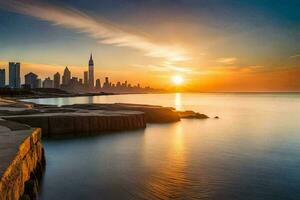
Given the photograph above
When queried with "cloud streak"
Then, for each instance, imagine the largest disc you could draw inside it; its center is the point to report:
(102, 31)
(295, 56)
(227, 61)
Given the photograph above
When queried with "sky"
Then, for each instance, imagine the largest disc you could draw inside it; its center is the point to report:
(214, 45)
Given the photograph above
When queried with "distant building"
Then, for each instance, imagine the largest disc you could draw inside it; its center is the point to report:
(56, 79)
(85, 78)
(91, 72)
(66, 77)
(14, 75)
(2, 78)
(74, 79)
(31, 80)
(106, 85)
(39, 83)
(98, 84)
(48, 83)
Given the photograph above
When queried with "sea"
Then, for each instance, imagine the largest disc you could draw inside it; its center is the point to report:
(251, 152)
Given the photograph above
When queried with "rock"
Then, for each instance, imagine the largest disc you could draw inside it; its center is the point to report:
(191, 115)
(217, 117)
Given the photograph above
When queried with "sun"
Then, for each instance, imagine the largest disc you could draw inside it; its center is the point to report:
(177, 80)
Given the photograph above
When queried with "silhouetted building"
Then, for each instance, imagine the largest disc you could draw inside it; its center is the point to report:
(48, 83)
(2, 78)
(39, 83)
(56, 80)
(98, 84)
(66, 77)
(85, 78)
(106, 84)
(14, 75)
(31, 80)
(91, 72)
(74, 84)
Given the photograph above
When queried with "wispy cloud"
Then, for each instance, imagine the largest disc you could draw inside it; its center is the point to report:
(165, 68)
(101, 30)
(295, 56)
(227, 61)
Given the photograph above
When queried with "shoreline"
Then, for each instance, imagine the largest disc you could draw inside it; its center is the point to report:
(57, 93)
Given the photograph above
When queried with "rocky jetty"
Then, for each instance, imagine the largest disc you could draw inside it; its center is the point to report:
(88, 119)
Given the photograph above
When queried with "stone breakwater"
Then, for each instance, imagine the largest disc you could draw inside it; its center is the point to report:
(21, 162)
(82, 123)
(89, 119)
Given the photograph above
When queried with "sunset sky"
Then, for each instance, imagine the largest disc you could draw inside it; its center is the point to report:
(214, 45)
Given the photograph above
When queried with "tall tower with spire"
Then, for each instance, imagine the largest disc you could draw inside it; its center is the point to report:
(91, 72)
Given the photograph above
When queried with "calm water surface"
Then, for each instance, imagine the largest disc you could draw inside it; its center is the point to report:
(251, 152)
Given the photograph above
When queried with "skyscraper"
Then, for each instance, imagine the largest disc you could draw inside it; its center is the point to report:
(66, 77)
(2, 78)
(106, 84)
(14, 75)
(31, 80)
(56, 79)
(85, 78)
(91, 72)
(98, 84)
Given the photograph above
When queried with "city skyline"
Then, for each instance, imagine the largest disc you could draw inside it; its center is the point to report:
(213, 46)
(66, 81)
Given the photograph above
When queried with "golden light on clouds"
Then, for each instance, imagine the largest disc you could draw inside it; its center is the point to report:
(99, 29)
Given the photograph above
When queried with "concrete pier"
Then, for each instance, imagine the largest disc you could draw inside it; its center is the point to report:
(21, 158)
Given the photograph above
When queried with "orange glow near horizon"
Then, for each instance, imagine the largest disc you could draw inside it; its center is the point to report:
(211, 80)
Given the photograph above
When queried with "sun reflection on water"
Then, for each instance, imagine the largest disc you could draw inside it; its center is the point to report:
(168, 179)
(177, 101)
